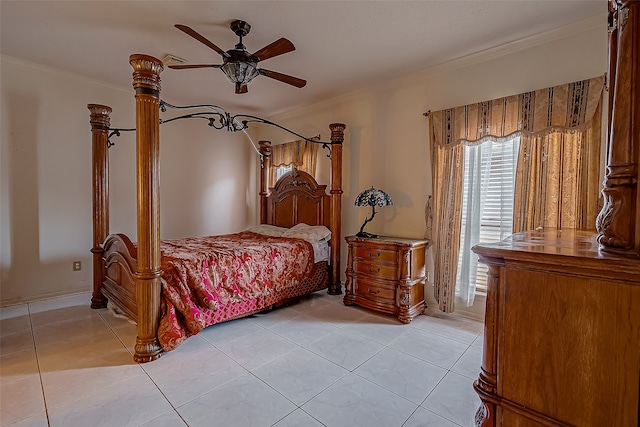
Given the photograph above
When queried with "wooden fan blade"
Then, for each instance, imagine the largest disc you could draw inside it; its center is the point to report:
(276, 48)
(293, 81)
(187, 66)
(241, 89)
(193, 33)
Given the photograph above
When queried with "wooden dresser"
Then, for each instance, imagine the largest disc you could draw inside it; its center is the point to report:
(562, 333)
(562, 320)
(386, 274)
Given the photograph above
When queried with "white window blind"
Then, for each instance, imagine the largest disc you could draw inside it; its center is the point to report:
(498, 167)
(281, 170)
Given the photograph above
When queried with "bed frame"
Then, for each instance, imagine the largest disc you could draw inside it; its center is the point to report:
(134, 285)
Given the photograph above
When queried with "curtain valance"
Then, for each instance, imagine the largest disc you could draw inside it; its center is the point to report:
(301, 154)
(565, 107)
(294, 153)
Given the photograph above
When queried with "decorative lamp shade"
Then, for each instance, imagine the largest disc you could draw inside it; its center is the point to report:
(372, 197)
(240, 72)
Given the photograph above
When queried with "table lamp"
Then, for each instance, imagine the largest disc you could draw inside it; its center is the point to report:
(371, 197)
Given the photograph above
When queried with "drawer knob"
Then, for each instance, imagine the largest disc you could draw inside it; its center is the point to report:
(374, 293)
(374, 255)
(374, 271)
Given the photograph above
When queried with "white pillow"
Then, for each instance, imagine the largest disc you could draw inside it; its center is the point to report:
(268, 230)
(308, 232)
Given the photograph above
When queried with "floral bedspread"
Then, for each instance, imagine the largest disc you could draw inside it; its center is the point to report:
(201, 274)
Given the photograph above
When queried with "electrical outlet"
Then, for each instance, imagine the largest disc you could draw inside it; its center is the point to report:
(77, 266)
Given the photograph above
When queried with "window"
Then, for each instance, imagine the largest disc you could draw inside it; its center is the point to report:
(282, 169)
(487, 208)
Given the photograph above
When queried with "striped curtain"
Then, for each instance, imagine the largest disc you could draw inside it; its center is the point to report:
(558, 164)
(300, 154)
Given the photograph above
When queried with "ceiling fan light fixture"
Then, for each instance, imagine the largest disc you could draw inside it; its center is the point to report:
(240, 66)
(240, 72)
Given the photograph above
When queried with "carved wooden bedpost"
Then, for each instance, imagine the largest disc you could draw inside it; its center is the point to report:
(100, 122)
(146, 81)
(618, 223)
(265, 171)
(337, 138)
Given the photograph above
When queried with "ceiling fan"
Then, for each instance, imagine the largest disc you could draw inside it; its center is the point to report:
(238, 64)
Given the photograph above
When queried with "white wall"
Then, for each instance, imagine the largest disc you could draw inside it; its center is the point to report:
(45, 174)
(386, 142)
(209, 178)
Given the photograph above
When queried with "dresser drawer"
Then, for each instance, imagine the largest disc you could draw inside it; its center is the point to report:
(382, 271)
(377, 293)
(377, 255)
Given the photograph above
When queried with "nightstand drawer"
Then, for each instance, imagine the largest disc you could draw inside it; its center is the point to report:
(376, 293)
(377, 255)
(377, 270)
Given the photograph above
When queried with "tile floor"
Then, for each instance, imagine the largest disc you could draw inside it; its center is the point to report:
(314, 363)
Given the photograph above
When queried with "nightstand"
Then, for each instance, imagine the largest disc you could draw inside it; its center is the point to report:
(387, 274)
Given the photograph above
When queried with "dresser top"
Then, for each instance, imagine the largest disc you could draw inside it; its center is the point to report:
(557, 247)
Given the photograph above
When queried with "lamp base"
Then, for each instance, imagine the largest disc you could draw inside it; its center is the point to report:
(366, 235)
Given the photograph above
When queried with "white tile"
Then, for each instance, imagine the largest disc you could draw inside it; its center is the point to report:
(303, 330)
(73, 350)
(87, 372)
(433, 348)
(424, 418)
(271, 319)
(255, 350)
(244, 402)
(339, 315)
(126, 334)
(18, 342)
(88, 377)
(187, 377)
(450, 326)
(21, 399)
(19, 365)
(228, 331)
(454, 399)
(344, 349)
(300, 375)
(60, 309)
(77, 327)
(126, 403)
(14, 319)
(383, 329)
(469, 363)
(189, 349)
(38, 420)
(298, 418)
(354, 401)
(479, 342)
(81, 299)
(114, 321)
(402, 374)
(11, 311)
(170, 419)
(314, 301)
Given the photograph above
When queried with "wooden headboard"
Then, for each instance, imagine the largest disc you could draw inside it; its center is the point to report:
(296, 198)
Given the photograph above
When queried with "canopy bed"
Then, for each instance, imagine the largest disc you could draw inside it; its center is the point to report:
(173, 289)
